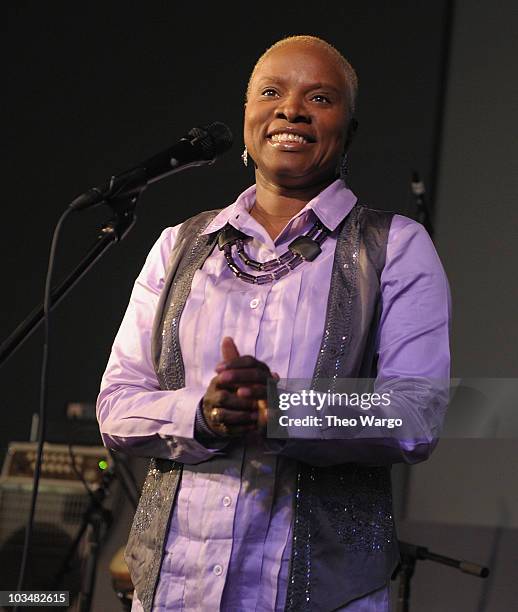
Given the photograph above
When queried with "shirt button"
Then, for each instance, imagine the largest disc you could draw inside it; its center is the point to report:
(227, 501)
(217, 569)
(254, 303)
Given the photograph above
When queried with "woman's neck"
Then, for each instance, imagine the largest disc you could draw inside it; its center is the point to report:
(276, 205)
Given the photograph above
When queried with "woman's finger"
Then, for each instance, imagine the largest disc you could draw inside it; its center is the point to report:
(243, 361)
(229, 349)
(228, 399)
(219, 416)
(252, 391)
(245, 376)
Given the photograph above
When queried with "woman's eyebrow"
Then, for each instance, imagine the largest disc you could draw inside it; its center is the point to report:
(326, 86)
(279, 80)
(270, 79)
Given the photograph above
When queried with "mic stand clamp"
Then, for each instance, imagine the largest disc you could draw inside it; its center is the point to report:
(118, 227)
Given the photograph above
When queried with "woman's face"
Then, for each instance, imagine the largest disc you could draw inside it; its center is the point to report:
(296, 116)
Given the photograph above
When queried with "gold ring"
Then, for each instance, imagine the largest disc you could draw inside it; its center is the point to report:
(214, 415)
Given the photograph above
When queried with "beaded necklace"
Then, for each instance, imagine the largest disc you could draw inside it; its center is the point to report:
(304, 248)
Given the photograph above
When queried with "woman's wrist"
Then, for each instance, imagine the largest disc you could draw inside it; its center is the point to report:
(201, 430)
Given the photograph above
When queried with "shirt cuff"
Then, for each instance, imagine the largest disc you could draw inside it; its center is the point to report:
(184, 444)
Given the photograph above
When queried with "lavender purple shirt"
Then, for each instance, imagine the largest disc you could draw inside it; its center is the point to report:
(229, 540)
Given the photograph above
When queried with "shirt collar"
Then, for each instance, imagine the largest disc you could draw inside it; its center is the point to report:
(331, 206)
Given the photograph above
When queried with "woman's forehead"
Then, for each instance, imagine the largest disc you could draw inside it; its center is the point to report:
(293, 59)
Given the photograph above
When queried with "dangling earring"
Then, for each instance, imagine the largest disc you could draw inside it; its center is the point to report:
(244, 156)
(344, 169)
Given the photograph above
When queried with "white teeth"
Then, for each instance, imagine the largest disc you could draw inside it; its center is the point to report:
(288, 137)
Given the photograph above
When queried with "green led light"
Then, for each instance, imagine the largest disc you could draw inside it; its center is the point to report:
(103, 464)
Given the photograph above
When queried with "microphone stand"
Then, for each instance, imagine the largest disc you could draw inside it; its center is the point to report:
(122, 202)
(423, 212)
(99, 519)
(410, 554)
(113, 231)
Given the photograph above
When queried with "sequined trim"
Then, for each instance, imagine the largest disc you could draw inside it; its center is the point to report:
(337, 330)
(299, 584)
(332, 349)
(154, 508)
(357, 503)
(150, 500)
(171, 371)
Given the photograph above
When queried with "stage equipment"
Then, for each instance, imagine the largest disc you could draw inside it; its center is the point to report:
(62, 502)
(121, 194)
(201, 146)
(410, 554)
(423, 212)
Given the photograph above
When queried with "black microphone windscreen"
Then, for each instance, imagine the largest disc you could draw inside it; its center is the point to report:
(213, 139)
(221, 136)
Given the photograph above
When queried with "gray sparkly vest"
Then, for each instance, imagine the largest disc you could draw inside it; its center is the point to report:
(344, 543)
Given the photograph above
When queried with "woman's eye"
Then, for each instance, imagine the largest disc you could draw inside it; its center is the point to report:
(269, 92)
(321, 98)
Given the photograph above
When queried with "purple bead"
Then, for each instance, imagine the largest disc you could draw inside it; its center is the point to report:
(263, 279)
(296, 261)
(270, 265)
(235, 269)
(281, 272)
(248, 278)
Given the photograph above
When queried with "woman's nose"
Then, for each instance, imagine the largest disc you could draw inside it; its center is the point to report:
(293, 109)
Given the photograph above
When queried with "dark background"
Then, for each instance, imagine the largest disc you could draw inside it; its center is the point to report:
(91, 90)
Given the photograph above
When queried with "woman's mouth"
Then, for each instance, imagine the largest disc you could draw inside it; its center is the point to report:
(287, 141)
(288, 137)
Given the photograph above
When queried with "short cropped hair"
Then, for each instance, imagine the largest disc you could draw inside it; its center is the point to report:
(350, 74)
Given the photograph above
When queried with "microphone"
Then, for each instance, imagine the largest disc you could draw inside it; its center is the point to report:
(201, 146)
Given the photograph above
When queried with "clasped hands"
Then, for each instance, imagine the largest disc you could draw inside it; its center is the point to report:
(235, 401)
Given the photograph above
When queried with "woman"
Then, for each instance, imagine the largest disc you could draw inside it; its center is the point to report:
(229, 518)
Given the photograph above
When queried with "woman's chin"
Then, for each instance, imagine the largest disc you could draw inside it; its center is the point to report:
(294, 177)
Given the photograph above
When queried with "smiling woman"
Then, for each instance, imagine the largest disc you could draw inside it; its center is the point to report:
(295, 280)
(298, 119)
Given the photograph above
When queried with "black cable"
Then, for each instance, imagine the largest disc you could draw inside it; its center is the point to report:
(78, 473)
(43, 399)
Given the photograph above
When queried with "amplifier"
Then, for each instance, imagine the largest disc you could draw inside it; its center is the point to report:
(61, 464)
(62, 501)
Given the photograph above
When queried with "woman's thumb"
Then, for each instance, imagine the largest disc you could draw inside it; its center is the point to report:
(228, 349)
